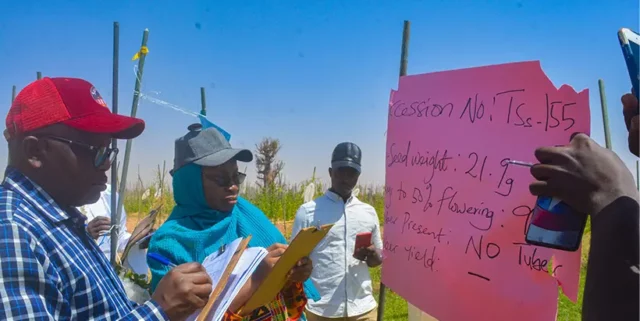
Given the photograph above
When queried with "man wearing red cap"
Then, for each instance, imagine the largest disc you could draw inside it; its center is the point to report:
(58, 131)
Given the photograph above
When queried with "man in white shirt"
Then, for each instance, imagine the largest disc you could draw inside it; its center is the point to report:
(341, 272)
(99, 217)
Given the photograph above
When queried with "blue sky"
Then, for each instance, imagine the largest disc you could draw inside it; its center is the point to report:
(311, 73)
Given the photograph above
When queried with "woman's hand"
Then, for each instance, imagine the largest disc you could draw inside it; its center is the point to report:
(275, 251)
(301, 271)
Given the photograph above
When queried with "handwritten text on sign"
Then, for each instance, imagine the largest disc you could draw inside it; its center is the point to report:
(456, 211)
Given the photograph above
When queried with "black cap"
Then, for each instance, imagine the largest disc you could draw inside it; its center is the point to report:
(346, 155)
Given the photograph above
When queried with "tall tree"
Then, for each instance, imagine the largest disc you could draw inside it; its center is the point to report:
(268, 167)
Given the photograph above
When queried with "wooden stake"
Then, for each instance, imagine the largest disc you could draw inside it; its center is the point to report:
(605, 114)
(404, 61)
(134, 110)
(404, 50)
(114, 144)
(203, 102)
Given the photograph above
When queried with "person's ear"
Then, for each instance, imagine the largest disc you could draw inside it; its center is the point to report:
(34, 151)
(329, 171)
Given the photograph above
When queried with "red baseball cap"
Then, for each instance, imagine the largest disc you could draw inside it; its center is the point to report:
(70, 101)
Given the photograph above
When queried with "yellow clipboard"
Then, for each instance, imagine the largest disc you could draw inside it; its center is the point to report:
(301, 246)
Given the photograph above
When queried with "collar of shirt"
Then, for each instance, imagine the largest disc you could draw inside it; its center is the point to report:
(337, 198)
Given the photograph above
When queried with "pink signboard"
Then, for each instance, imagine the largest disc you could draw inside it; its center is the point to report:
(456, 211)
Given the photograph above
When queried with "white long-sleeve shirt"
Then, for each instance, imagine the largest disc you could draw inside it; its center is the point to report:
(343, 281)
(103, 208)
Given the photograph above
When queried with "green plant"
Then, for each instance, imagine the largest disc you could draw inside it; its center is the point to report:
(140, 280)
(141, 199)
(280, 201)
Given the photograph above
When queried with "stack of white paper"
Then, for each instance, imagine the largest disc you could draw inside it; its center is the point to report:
(215, 265)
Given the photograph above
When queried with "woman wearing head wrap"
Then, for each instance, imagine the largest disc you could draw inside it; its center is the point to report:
(209, 213)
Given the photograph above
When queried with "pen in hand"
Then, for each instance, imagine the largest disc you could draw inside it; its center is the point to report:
(520, 163)
(554, 200)
(160, 259)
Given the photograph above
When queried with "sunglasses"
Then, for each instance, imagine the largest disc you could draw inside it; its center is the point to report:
(100, 154)
(236, 179)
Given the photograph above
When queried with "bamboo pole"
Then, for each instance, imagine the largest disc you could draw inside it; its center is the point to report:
(203, 102)
(404, 61)
(605, 114)
(114, 144)
(13, 97)
(134, 110)
(404, 50)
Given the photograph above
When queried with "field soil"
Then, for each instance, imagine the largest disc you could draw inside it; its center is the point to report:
(132, 220)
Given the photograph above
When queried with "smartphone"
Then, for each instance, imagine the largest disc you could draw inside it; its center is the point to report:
(556, 225)
(630, 44)
(362, 240)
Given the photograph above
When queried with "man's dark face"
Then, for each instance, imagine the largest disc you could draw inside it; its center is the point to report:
(343, 180)
(65, 164)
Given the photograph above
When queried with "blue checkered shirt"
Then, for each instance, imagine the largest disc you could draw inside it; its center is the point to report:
(50, 267)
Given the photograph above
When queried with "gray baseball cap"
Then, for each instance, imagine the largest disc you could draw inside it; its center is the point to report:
(206, 147)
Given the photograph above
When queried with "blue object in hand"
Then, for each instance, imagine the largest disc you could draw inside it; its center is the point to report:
(160, 259)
